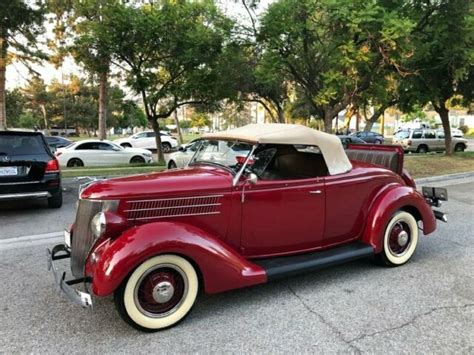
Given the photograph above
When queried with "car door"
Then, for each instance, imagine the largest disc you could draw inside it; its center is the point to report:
(431, 140)
(282, 215)
(109, 154)
(87, 152)
(139, 140)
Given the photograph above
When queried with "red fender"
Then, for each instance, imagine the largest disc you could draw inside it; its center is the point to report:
(393, 198)
(221, 267)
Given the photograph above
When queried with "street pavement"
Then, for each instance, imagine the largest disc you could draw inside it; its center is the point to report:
(425, 306)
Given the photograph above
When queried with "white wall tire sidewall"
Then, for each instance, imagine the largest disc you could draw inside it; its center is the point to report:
(158, 323)
(411, 221)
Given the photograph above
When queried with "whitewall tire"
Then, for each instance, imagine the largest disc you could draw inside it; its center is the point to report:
(158, 294)
(400, 239)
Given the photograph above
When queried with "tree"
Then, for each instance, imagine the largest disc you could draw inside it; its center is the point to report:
(15, 106)
(332, 50)
(168, 52)
(442, 60)
(20, 24)
(38, 99)
(200, 120)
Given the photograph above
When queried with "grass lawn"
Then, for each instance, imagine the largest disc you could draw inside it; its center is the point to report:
(424, 165)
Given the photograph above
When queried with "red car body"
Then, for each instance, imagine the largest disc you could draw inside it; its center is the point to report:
(231, 232)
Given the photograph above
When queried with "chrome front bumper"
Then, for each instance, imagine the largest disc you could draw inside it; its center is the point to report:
(62, 251)
(25, 195)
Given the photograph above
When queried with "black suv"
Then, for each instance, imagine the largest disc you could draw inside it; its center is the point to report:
(28, 169)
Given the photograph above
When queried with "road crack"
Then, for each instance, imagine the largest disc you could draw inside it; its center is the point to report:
(323, 320)
(410, 322)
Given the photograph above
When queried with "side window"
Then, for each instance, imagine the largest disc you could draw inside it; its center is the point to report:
(194, 146)
(430, 135)
(87, 146)
(140, 135)
(105, 146)
(151, 134)
(417, 134)
(285, 162)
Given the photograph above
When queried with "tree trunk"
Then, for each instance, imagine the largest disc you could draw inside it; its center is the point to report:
(443, 112)
(368, 125)
(103, 105)
(3, 68)
(159, 151)
(45, 119)
(281, 115)
(176, 120)
(328, 117)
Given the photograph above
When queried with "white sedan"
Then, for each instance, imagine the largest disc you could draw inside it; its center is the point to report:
(147, 140)
(182, 157)
(100, 153)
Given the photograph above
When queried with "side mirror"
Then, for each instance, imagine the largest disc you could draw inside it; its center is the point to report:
(252, 179)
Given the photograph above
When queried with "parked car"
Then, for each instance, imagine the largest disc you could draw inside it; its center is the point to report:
(56, 142)
(101, 153)
(296, 202)
(28, 169)
(346, 140)
(147, 140)
(369, 137)
(426, 140)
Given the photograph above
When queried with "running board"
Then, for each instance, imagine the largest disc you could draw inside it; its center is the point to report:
(285, 266)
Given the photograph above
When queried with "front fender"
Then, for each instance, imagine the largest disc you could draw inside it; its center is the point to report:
(221, 267)
(390, 200)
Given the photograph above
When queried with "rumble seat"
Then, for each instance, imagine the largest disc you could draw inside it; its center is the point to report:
(387, 159)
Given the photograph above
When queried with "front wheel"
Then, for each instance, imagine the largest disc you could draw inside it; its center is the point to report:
(166, 147)
(400, 240)
(459, 147)
(137, 160)
(158, 294)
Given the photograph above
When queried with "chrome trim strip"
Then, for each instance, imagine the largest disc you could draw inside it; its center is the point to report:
(176, 215)
(25, 195)
(19, 183)
(171, 208)
(236, 178)
(174, 199)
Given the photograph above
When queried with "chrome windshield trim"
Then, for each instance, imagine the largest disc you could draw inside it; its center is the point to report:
(236, 178)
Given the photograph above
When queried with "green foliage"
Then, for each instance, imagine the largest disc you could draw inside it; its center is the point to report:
(200, 120)
(15, 102)
(464, 129)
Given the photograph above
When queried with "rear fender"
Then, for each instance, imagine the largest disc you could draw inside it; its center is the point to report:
(389, 201)
(220, 266)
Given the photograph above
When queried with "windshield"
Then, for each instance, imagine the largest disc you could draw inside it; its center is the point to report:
(402, 134)
(229, 154)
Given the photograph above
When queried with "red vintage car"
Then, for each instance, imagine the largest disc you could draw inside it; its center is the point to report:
(255, 204)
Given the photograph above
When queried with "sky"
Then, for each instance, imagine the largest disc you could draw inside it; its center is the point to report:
(17, 74)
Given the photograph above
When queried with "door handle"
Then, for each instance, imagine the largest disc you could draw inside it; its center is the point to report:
(316, 192)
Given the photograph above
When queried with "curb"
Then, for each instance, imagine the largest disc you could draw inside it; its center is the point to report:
(445, 177)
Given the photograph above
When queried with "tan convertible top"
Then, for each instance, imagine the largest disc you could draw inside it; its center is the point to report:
(274, 133)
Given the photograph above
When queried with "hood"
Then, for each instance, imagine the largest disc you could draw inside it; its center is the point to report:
(189, 181)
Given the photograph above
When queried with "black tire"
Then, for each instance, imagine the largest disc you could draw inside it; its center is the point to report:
(459, 147)
(147, 316)
(172, 165)
(56, 201)
(137, 160)
(397, 249)
(378, 141)
(166, 147)
(422, 148)
(126, 145)
(75, 162)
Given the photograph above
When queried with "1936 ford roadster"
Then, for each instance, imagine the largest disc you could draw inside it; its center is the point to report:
(255, 204)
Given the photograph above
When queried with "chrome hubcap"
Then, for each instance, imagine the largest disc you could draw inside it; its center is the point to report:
(163, 292)
(402, 238)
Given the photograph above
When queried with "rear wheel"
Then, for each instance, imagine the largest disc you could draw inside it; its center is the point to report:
(137, 160)
(400, 240)
(459, 147)
(158, 294)
(75, 162)
(378, 141)
(422, 149)
(166, 147)
(56, 201)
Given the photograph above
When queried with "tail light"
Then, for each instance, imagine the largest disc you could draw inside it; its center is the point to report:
(52, 166)
(409, 142)
(241, 160)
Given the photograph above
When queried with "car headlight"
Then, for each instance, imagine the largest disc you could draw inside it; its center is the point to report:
(98, 224)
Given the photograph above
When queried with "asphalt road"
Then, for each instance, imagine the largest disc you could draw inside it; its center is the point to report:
(426, 306)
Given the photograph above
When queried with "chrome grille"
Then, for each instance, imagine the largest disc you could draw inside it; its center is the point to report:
(82, 238)
(172, 207)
